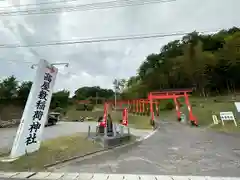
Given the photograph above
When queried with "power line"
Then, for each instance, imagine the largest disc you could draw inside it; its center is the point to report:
(16, 61)
(84, 7)
(39, 4)
(97, 40)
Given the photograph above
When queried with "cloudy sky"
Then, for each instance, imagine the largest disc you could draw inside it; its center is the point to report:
(99, 63)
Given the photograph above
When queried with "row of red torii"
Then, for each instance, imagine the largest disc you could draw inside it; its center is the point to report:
(138, 105)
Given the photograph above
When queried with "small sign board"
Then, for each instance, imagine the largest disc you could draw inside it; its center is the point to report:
(227, 116)
(215, 119)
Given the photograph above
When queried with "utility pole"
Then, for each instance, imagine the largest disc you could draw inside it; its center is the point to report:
(96, 99)
(116, 87)
(115, 96)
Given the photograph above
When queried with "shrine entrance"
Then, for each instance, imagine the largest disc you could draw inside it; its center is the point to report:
(172, 94)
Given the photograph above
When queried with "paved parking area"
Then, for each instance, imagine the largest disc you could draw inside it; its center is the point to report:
(175, 149)
(61, 129)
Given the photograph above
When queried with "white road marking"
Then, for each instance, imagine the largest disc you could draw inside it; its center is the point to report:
(147, 136)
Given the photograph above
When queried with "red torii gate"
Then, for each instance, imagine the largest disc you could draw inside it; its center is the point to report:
(139, 104)
(119, 102)
(173, 94)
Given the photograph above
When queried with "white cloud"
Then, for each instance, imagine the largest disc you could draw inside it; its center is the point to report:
(100, 63)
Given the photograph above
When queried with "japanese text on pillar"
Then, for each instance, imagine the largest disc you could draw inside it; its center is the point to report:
(39, 111)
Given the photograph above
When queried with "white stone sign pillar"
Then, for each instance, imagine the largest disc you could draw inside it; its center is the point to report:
(30, 130)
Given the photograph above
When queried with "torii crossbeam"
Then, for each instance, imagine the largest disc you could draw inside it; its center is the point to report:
(173, 94)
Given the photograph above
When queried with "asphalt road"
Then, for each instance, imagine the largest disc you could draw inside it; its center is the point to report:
(175, 149)
(60, 129)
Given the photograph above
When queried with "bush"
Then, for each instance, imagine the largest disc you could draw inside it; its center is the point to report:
(85, 107)
(169, 106)
(80, 107)
(60, 110)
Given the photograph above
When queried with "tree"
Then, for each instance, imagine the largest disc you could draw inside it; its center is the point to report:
(8, 88)
(60, 99)
(84, 93)
(23, 91)
(119, 85)
(116, 85)
(207, 63)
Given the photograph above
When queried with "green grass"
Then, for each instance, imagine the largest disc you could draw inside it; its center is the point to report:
(140, 122)
(4, 151)
(99, 107)
(204, 108)
(228, 127)
(73, 114)
(134, 121)
(51, 151)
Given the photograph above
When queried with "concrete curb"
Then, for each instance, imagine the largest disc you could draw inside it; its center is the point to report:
(103, 150)
(84, 155)
(103, 176)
